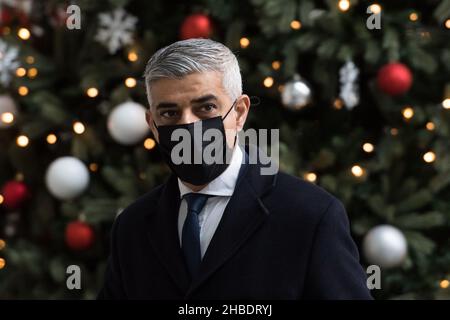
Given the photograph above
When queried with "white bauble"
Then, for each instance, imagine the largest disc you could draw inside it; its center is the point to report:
(7, 105)
(385, 246)
(296, 94)
(66, 178)
(126, 123)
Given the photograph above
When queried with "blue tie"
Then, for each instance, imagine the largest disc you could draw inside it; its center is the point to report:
(191, 232)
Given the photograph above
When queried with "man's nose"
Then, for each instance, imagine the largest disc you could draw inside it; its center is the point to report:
(188, 117)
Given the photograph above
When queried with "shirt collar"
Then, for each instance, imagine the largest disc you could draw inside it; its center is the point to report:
(224, 184)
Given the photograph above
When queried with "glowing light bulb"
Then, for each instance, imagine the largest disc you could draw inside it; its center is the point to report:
(268, 82)
(375, 8)
(78, 127)
(429, 157)
(51, 138)
(7, 117)
(357, 171)
(368, 147)
(132, 56)
(130, 82)
(344, 5)
(92, 92)
(408, 113)
(244, 42)
(311, 177)
(24, 33)
(276, 65)
(295, 24)
(149, 143)
(22, 141)
(430, 126)
(22, 90)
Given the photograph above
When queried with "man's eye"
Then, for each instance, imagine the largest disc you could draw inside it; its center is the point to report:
(208, 107)
(168, 113)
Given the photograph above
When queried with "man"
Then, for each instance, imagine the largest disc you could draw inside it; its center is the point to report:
(224, 230)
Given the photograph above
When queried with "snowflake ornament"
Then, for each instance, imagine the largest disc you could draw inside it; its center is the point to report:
(116, 29)
(348, 76)
(8, 62)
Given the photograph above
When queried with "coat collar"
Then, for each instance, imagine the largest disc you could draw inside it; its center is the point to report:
(244, 213)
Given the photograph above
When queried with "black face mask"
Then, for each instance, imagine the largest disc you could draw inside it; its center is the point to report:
(192, 166)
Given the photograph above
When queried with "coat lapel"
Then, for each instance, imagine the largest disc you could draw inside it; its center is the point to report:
(163, 234)
(243, 215)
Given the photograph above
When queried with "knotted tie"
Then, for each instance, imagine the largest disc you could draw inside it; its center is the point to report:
(191, 232)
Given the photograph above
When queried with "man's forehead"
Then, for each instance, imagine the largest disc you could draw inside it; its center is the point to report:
(187, 89)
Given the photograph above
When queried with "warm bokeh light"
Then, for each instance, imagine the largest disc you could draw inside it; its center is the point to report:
(368, 147)
(244, 42)
(2, 263)
(344, 5)
(446, 103)
(295, 24)
(24, 33)
(20, 72)
(276, 65)
(7, 117)
(444, 284)
(22, 141)
(408, 113)
(149, 143)
(447, 23)
(2, 244)
(268, 82)
(132, 56)
(130, 82)
(51, 138)
(1, 199)
(311, 177)
(429, 157)
(357, 171)
(92, 92)
(413, 16)
(430, 126)
(93, 167)
(338, 104)
(78, 127)
(22, 90)
(29, 59)
(375, 8)
(32, 72)
(394, 131)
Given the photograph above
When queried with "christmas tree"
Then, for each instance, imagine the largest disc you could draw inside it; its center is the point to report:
(360, 91)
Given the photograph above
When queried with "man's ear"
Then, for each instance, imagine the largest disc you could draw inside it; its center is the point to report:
(242, 108)
(149, 119)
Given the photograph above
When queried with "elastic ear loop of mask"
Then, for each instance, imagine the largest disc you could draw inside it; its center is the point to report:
(226, 115)
(235, 137)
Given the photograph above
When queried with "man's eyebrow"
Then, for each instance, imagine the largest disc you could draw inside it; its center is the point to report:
(204, 98)
(172, 105)
(166, 105)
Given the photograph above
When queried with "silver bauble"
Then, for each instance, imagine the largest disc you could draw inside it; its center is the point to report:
(385, 246)
(296, 94)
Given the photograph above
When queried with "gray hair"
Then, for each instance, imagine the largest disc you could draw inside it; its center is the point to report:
(195, 55)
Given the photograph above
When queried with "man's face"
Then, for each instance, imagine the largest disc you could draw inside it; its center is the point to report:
(195, 97)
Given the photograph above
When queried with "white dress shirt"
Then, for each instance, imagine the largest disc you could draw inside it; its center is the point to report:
(222, 188)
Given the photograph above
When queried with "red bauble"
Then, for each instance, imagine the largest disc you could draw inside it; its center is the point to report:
(5, 17)
(79, 235)
(196, 26)
(394, 79)
(15, 193)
